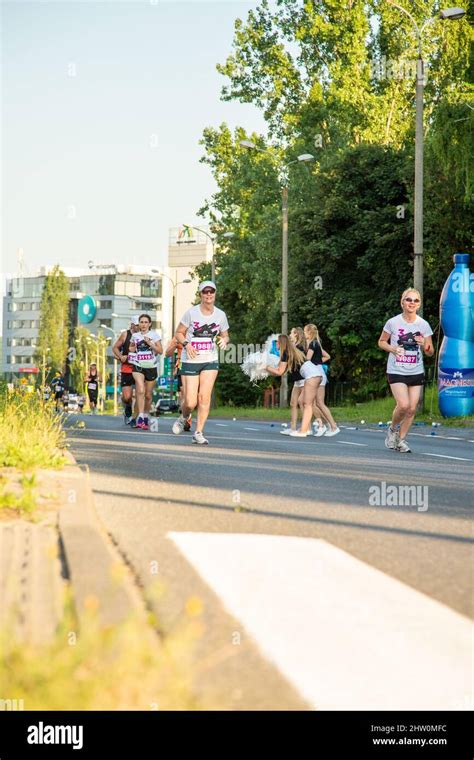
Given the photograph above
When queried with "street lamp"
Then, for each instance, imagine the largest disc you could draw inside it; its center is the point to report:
(447, 14)
(173, 318)
(303, 158)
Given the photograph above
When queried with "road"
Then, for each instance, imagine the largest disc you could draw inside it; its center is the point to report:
(320, 590)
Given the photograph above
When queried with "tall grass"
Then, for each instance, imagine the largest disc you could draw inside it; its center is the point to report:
(31, 435)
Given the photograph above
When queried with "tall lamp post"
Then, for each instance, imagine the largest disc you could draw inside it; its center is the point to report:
(447, 14)
(283, 170)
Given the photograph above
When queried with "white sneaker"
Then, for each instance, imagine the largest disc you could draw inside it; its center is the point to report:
(178, 426)
(298, 434)
(322, 430)
(403, 447)
(330, 433)
(199, 438)
(286, 431)
(392, 439)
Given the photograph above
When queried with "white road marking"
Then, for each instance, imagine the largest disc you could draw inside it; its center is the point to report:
(445, 456)
(346, 635)
(350, 443)
(257, 429)
(221, 424)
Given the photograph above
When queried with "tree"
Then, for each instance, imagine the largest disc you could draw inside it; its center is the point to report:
(53, 338)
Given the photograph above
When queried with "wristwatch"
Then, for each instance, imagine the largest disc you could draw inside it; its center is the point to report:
(185, 343)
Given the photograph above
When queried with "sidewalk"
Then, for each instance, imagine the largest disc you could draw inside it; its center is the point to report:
(62, 546)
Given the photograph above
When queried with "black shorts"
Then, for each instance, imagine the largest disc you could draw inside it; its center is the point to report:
(180, 381)
(126, 380)
(58, 395)
(407, 379)
(93, 396)
(150, 373)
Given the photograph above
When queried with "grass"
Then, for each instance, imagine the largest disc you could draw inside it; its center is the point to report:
(378, 410)
(120, 667)
(31, 437)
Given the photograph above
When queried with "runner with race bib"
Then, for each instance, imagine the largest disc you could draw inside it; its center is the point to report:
(202, 330)
(405, 337)
(143, 350)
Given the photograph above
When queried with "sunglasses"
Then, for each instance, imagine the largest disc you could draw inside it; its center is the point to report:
(412, 300)
(208, 292)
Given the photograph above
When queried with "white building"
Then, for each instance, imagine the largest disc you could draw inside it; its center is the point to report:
(103, 298)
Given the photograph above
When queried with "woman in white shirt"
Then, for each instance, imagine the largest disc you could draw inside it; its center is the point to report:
(202, 329)
(405, 338)
(144, 347)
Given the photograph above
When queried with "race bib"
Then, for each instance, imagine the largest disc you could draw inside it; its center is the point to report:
(407, 359)
(92, 386)
(204, 344)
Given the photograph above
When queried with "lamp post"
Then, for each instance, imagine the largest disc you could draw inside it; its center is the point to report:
(283, 170)
(105, 327)
(447, 14)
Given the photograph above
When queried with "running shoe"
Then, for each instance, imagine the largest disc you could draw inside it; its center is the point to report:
(285, 431)
(133, 422)
(392, 439)
(140, 422)
(330, 433)
(403, 447)
(315, 427)
(187, 423)
(322, 430)
(145, 424)
(178, 426)
(199, 438)
(298, 434)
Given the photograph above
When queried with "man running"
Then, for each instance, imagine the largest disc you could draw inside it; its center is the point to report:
(127, 383)
(201, 330)
(58, 386)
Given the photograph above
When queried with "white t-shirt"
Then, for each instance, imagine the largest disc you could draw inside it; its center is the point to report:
(141, 354)
(402, 333)
(202, 332)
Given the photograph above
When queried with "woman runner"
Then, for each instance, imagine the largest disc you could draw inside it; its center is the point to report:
(201, 330)
(405, 338)
(144, 347)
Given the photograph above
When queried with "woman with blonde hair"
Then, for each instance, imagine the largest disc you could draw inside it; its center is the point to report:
(405, 338)
(298, 340)
(291, 358)
(314, 382)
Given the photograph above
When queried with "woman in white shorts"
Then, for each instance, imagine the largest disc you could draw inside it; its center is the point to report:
(314, 382)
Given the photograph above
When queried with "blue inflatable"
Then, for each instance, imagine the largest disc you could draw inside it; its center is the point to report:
(456, 358)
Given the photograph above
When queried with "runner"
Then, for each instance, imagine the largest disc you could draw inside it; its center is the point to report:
(200, 331)
(58, 386)
(92, 384)
(127, 383)
(298, 341)
(314, 381)
(145, 345)
(405, 337)
(172, 348)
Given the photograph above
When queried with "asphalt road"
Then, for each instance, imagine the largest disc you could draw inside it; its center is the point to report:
(320, 589)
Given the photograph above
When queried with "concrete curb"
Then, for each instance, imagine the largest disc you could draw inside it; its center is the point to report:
(100, 579)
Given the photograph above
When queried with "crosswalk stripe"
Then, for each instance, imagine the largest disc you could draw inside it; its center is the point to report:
(346, 635)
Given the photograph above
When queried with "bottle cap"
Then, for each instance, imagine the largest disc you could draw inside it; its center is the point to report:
(461, 258)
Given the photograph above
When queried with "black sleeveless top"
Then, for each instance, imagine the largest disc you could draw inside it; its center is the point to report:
(317, 357)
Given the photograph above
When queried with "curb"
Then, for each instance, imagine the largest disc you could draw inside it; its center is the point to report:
(98, 575)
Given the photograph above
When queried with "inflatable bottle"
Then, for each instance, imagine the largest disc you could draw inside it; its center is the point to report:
(456, 358)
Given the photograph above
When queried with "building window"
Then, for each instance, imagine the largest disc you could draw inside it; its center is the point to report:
(74, 284)
(105, 303)
(106, 322)
(151, 288)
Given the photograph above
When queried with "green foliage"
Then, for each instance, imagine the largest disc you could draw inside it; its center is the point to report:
(53, 338)
(337, 79)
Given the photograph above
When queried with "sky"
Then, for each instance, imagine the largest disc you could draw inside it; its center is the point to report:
(103, 105)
